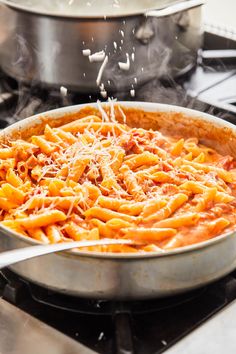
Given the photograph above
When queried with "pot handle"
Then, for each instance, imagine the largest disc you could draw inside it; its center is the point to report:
(175, 8)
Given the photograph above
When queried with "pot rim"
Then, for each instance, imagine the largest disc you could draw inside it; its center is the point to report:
(146, 106)
(141, 12)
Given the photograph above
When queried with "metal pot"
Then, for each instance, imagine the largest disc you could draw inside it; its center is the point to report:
(132, 276)
(47, 48)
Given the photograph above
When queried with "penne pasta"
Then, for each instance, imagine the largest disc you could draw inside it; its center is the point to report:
(111, 203)
(146, 158)
(41, 220)
(44, 146)
(169, 209)
(149, 235)
(103, 228)
(59, 202)
(117, 224)
(38, 235)
(132, 208)
(13, 194)
(107, 214)
(131, 184)
(97, 178)
(179, 221)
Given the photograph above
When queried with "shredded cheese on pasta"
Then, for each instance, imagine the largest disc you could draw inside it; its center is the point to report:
(97, 178)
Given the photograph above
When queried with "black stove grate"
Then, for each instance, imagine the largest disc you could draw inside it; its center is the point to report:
(121, 327)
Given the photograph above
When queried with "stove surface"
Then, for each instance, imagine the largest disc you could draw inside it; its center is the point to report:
(144, 327)
(120, 327)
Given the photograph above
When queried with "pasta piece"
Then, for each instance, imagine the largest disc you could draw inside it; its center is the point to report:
(22, 169)
(109, 178)
(149, 234)
(106, 214)
(59, 202)
(187, 219)
(153, 206)
(6, 164)
(91, 191)
(117, 159)
(200, 158)
(55, 186)
(12, 226)
(117, 224)
(6, 205)
(173, 243)
(146, 158)
(63, 173)
(31, 162)
(188, 157)
(152, 248)
(77, 169)
(37, 173)
(131, 183)
(207, 196)
(65, 136)
(111, 203)
(169, 209)
(38, 235)
(41, 220)
(14, 195)
(162, 177)
(198, 188)
(218, 225)
(199, 234)
(132, 208)
(44, 146)
(104, 229)
(72, 125)
(225, 175)
(77, 233)
(222, 197)
(194, 187)
(178, 147)
(6, 153)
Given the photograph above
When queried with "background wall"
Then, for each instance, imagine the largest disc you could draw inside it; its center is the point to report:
(221, 12)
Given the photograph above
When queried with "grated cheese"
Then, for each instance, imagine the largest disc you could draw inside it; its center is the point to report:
(125, 66)
(132, 93)
(86, 52)
(96, 57)
(63, 91)
(100, 73)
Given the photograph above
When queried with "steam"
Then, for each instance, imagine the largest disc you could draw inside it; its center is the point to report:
(120, 65)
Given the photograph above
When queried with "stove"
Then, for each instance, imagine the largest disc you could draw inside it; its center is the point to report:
(35, 320)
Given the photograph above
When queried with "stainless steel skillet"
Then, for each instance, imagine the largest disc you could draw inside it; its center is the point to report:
(133, 276)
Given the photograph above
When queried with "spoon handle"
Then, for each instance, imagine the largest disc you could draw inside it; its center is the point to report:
(10, 257)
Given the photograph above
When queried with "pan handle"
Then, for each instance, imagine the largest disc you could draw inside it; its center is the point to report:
(175, 8)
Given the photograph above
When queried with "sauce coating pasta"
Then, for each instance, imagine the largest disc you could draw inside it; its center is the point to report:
(96, 178)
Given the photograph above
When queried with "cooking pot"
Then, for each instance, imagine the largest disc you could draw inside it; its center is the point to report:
(51, 46)
(132, 276)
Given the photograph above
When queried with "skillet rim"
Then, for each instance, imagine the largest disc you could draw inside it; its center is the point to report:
(145, 106)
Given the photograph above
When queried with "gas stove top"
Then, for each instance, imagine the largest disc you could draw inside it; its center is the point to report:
(35, 320)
